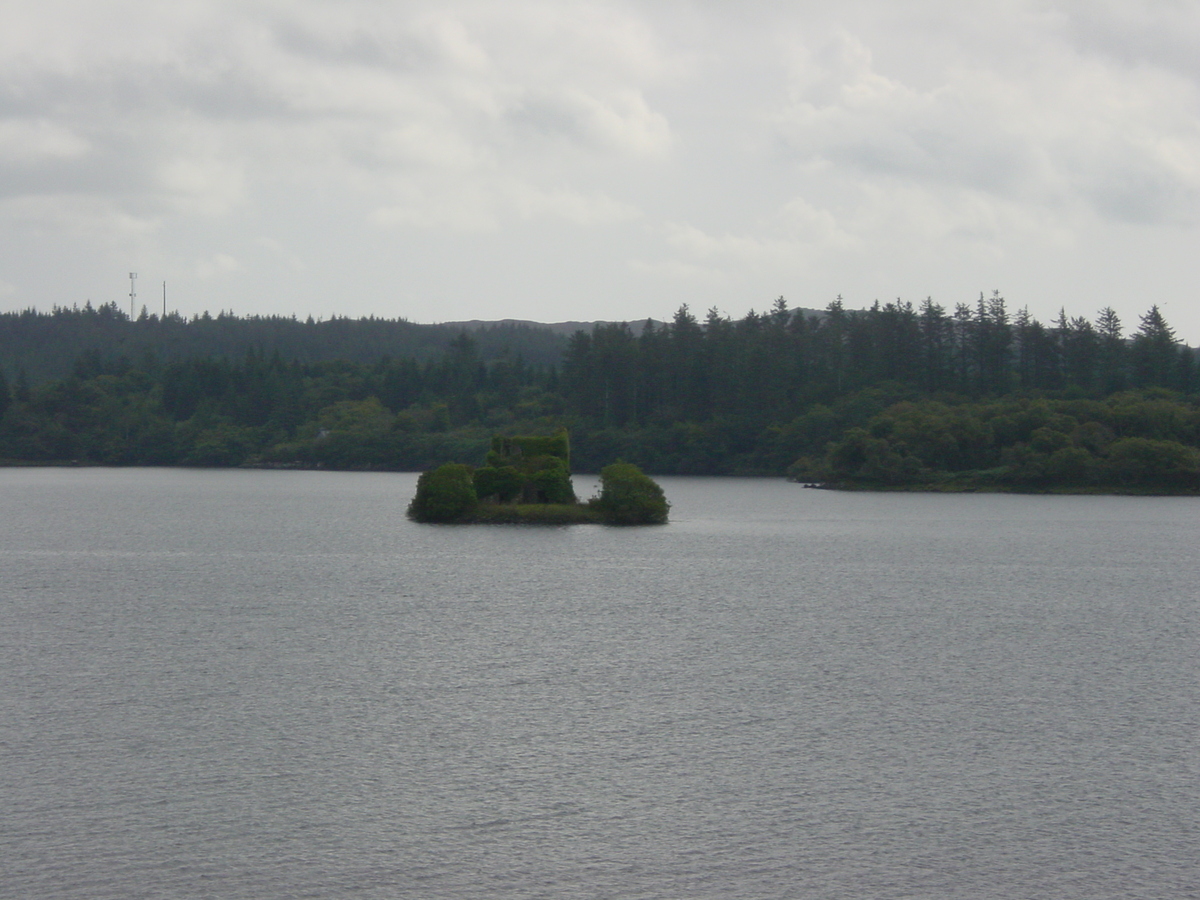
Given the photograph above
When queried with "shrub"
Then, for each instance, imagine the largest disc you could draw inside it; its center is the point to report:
(444, 494)
(629, 497)
(1142, 461)
(1070, 465)
(552, 481)
(503, 483)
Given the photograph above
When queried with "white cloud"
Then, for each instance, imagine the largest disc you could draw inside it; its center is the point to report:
(365, 96)
(621, 122)
(218, 265)
(74, 217)
(207, 186)
(1125, 144)
(813, 226)
(741, 248)
(798, 235)
(566, 205)
(1159, 34)
(471, 209)
(34, 140)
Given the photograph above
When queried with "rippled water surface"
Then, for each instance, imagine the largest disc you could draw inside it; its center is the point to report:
(271, 685)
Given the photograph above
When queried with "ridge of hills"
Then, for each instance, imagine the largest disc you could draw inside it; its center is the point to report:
(563, 328)
(44, 346)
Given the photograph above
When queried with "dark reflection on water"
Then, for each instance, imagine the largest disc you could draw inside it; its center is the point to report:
(269, 684)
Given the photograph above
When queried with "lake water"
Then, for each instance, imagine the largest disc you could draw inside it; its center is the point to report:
(271, 685)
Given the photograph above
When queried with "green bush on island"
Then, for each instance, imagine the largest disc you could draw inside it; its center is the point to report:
(629, 497)
(551, 481)
(502, 484)
(444, 494)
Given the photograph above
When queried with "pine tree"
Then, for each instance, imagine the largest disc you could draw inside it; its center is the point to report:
(1154, 351)
(21, 391)
(1112, 351)
(5, 396)
(936, 335)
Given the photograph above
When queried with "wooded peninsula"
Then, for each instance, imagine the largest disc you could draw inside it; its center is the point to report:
(898, 396)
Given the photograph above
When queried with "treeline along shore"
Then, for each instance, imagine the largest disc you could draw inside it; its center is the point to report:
(897, 396)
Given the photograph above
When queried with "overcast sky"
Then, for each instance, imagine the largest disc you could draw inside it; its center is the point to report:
(600, 160)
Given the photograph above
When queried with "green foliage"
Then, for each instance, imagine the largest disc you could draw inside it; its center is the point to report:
(809, 469)
(511, 449)
(1143, 461)
(770, 392)
(501, 483)
(551, 481)
(48, 345)
(629, 497)
(444, 495)
(537, 469)
(220, 446)
(5, 396)
(527, 486)
(1129, 442)
(861, 457)
(1071, 466)
(363, 417)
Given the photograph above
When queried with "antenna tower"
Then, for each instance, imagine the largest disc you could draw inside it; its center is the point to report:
(132, 292)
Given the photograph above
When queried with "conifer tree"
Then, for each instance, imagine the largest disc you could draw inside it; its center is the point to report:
(21, 391)
(1111, 351)
(5, 396)
(1154, 351)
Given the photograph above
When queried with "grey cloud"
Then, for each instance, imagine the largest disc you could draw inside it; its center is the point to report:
(1098, 137)
(782, 145)
(115, 163)
(545, 115)
(361, 47)
(1157, 34)
(1144, 194)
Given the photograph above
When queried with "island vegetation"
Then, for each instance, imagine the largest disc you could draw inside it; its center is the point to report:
(896, 396)
(527, 480)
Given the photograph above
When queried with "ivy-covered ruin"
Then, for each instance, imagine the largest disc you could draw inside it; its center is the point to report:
(528, 479)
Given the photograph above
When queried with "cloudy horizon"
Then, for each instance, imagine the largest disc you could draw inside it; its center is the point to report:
(600, 160)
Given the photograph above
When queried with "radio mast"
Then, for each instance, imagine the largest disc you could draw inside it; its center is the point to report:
(132, 292)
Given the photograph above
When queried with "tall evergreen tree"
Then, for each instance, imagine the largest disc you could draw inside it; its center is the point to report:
(1155, 355)
(992, 344)
(5, 396)
(1111, 351)
(21, 391)
(1080, 352)
(833, 339)
(937, 346)
(687, 387)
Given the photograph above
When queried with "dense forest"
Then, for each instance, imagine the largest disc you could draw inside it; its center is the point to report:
(45, 345)
(892, 396)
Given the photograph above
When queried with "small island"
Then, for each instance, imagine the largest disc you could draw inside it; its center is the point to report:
(527, 480)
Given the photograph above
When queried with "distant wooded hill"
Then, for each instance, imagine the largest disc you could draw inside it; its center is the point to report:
(45, 345)
(894, 395)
